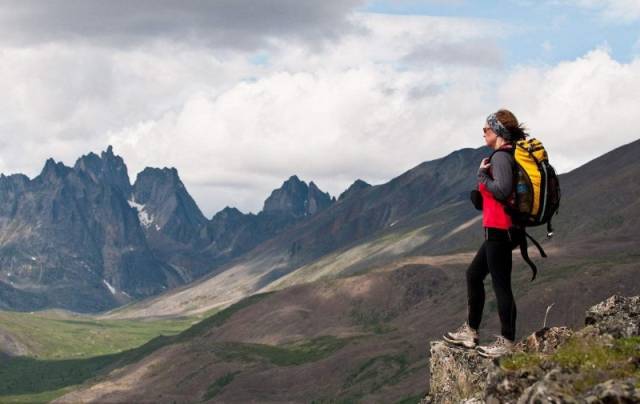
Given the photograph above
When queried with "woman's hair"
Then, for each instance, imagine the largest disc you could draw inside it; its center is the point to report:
(518, 131)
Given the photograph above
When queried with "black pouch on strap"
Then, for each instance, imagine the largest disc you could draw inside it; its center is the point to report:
(476, 199)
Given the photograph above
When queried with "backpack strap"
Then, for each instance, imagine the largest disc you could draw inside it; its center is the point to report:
(525, 252)
(511, 149)
(524, 246)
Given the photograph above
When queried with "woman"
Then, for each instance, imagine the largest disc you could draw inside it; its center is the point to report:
(495, 185)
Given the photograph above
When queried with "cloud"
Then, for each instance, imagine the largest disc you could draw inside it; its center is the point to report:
(330, 126)
(470, 52)
(60, 100)
(580, 109)
(237, 24)
(613, 10)
(333, 116)
(335, 126)
(386, 94)
(234, 128)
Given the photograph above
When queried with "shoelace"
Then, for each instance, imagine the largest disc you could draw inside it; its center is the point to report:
(500, 341)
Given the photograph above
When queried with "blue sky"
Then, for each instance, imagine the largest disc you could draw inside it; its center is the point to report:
(544, 32)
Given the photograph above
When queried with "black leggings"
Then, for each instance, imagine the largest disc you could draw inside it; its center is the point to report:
(494, 256)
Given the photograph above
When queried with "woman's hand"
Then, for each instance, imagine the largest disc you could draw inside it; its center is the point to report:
(484, 164)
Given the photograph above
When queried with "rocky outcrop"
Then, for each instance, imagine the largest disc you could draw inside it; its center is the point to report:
(457, 374)
(599, 363)
(617, 316)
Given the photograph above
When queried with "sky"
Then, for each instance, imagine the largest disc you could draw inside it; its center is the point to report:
(240, 95)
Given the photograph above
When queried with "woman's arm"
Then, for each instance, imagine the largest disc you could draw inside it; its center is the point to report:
(501, 185)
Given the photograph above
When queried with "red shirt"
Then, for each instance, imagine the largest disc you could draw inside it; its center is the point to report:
(493, 211)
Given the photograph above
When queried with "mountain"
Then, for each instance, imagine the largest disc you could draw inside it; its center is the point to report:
(354, 188)
(602, 197)
(423, 212)
(361, 338)
(155, 238)
(231, 233)
(173, 224)
(106, 168)
(165, 206)
(294, 198)
(364, 336)
(426, 203)
(354, 326)
(84, 239)
(68, 238)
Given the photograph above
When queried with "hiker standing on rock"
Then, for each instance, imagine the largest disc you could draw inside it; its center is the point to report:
(495, 189)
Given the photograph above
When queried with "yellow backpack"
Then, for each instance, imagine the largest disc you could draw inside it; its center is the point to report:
(537, 186)
(537, 193)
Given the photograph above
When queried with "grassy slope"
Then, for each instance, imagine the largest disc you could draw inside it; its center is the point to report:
(368, 375)
(55, 336)
(69, 349)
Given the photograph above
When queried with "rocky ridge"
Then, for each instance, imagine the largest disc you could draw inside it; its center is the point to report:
(84, 238)
(599, 363)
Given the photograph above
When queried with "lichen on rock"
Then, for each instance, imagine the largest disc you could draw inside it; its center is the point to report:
(618, 316)
(456, 373)
(599, 363)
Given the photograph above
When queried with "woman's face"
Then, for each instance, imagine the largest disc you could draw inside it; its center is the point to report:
(490, 136)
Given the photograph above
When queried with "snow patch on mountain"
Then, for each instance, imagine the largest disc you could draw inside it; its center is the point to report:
(111, 288)
(145, 218)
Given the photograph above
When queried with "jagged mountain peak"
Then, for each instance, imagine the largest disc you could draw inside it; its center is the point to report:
(14, 177)
(51, 164)
(156, 181)
(108, 152)
(167, 173)
(106, 167)
(228, 211)
(297, 199)
(353, 188)
(166, 200)
(106, 157)
(293, 179)
(53, 169)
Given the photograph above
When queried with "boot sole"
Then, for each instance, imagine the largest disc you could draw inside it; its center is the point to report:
(488, 355)
(464, 344)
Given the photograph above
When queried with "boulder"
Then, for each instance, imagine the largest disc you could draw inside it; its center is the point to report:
(545, 341)
(614, 391)
(618, 316)
(457, 374)
(461, 375)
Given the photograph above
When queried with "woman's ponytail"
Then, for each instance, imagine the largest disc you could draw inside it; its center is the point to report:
(517, 130)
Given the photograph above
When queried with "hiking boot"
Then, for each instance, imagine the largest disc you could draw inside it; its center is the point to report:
(501, 346)
(463, 336)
